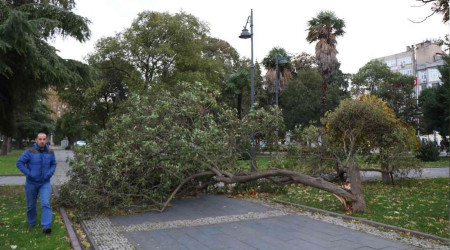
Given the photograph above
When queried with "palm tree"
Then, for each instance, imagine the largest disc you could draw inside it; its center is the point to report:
(284, 70)
(236, 83)
(324, 29)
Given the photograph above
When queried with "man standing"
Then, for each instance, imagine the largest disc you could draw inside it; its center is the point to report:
(38, 164)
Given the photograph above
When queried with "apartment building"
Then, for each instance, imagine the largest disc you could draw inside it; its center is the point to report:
(421, 60)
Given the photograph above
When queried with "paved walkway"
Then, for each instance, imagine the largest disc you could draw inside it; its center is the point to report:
(218, 222)
(426, 173)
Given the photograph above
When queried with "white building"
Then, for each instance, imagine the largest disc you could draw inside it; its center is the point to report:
(420, 60)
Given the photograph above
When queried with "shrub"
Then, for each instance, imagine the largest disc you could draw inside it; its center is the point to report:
(428, 151)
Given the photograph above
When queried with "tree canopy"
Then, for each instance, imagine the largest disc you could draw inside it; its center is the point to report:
(28, 64)
(395, 89)
(435, 103)
(284, 70)
(363, 125)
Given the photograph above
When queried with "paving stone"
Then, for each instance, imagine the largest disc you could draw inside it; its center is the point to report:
(186, 240)
(257, 227)
(348, 244)
(302, 244)
(194, 208)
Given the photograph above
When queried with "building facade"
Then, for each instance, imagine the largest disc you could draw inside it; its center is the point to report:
(421, 60)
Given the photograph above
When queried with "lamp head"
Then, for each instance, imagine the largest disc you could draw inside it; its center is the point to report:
(245, 34)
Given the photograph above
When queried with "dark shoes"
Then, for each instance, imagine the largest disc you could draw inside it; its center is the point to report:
(31, 227)
(46, 230)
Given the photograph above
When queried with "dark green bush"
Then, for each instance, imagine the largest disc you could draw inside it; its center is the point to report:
(428, 151)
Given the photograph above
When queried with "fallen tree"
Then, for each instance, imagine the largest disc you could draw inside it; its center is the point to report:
(163, 143)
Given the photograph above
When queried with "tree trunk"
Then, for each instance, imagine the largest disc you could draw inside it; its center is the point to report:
(239, 106)
(9, 146)
(323, 107)
(292, 177)
(19, 144)
(358, 205)
(4, 146)
(385, 167)
(385, 174)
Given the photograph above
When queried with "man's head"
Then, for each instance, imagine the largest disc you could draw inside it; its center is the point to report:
(41, 139)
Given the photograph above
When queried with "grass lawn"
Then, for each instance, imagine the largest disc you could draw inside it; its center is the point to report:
(420, 205)
(264, 162)
(261, 162)
(442, 162)
(8, 162)
(14, 227)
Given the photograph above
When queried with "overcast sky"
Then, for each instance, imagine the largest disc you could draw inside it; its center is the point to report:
(374, 28)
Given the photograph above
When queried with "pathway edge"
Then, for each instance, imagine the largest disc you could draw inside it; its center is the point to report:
(372, 223)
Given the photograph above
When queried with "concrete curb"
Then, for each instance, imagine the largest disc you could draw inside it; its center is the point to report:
(8, 175)
(369, 222)
(74, 241)
(89, 238)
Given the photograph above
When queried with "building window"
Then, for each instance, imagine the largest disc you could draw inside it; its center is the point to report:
(391, 63)
(404, 61)
(433, 75)
(406, 72)
(422, 75)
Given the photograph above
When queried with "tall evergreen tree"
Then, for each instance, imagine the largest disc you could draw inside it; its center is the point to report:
(324, 29)
(28, 64)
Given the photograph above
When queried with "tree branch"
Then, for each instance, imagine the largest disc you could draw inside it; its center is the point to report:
(208, 173)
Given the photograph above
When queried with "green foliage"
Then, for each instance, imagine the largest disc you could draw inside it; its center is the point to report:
(34, 121)
(435, 103)
(166, 49)
(159, 139)
(158, 50)
(284, 71)
(363, 125)
(428, 151)
(14, 230)
(258, 186)
(264, 122)
(325, 20)
(301, 100)
(360, 123)
(323, 29)
(261, 93)
(441, 162)
(269, 61)
(312, 154)
(397, 90)
(28, 64)
(236, 84)
(74, 127)
(303, 61)
(406, 204)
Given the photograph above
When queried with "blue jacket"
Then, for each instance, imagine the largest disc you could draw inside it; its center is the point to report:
(36, 164)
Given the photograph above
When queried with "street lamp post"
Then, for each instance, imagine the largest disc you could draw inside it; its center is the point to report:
(282, 61)
(245, 35)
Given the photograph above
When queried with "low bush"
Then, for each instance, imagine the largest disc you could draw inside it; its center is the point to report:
(428, 151)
